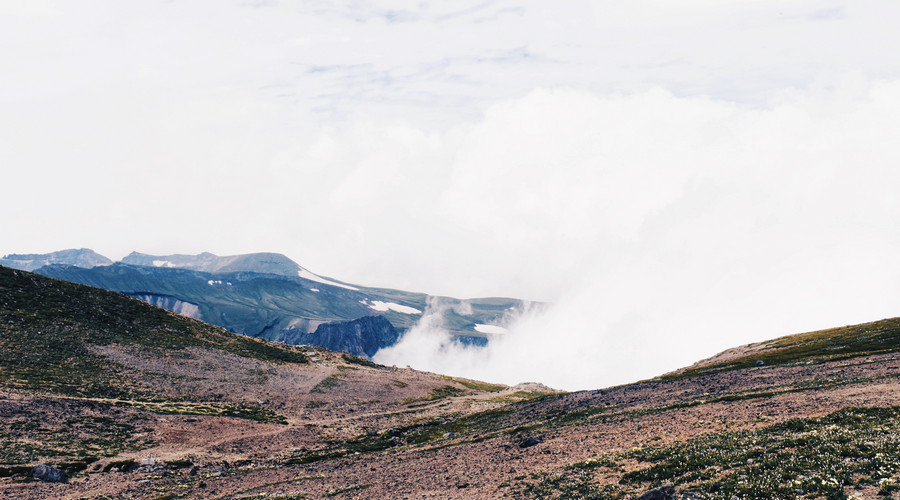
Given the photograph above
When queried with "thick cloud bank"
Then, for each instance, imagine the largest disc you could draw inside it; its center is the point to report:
(670, 228)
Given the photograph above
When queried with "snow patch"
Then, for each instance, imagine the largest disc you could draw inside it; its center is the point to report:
(303, 273)
(314, 290)
(162, 263)
(490, 329)
(215, 282)
(391, 306)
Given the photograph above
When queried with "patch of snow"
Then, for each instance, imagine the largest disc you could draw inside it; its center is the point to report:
(303, 273)
(314, 290)
(228, 283)
(391, 306)
(491, 329)
(162, 263)
(215, 282)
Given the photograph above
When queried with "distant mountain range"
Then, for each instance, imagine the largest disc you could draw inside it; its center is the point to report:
(269, 296)
(81, 257)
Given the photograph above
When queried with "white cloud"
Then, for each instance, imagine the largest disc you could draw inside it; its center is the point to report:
(671, 228)
(693, 173)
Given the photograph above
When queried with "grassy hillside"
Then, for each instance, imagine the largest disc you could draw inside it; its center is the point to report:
(48, 328)
(845, 342)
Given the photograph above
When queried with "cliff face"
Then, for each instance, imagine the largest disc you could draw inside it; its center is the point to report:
(362, 337)
(170, 303)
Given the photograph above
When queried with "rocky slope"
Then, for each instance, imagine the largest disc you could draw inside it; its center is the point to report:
(178, 409)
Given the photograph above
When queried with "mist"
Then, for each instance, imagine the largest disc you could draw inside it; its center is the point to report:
(675, 228)
(673, 178)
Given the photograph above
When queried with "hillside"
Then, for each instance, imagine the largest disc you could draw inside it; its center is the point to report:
(137, 402)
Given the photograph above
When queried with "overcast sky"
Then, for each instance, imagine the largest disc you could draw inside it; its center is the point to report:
(688, 174)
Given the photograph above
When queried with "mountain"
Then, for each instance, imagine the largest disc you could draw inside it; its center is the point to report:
(136, 402)
(81, 257)
(269, 296)
(263, 263)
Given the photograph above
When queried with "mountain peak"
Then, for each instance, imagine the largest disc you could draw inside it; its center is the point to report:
(79, 257)
(264, 262)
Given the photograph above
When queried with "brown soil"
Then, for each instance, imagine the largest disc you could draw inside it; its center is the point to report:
(236, 457)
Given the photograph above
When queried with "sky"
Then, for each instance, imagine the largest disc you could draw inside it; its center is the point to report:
(676, 177)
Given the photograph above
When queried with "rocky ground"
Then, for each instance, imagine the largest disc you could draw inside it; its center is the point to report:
(484, 457)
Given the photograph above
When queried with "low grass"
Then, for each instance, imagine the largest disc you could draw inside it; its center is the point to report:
(329, 382)
(34, 434)
(236, 410)
(357, 360)
(877, 337)
(476, 385)
(798, 458)
(444, 391)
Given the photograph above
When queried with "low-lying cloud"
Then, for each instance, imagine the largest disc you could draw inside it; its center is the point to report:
(671, 228)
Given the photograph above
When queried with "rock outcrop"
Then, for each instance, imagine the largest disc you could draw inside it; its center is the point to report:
(362, 337)
(48, 474)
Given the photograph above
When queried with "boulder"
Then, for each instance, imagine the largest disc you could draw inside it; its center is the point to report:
(666, 492)
(528, 442)
(48, 474)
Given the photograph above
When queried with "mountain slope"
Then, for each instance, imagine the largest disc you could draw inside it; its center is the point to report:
(185, 410)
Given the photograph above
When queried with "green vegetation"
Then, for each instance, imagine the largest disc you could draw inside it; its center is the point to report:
(34, 434)
(814, 347)
(476, 385)
(328, 382)
(121, 465)
(444, 391)
(351, 489)
(361, 444)
(236, 410)
(799, 458)
(357, 360)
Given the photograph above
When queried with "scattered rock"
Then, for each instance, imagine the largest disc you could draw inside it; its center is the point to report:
(760, 362)
(666, 492)
(394, 432)
(49, 474)
(528, 442)
(449, 434)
